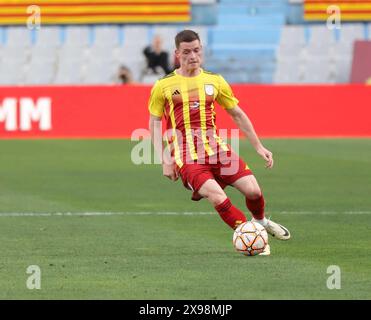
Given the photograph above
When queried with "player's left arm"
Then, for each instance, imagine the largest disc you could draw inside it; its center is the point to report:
(227, 100)
(243, 122)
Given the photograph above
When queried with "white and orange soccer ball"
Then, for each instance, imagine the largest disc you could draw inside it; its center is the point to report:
(250, 238)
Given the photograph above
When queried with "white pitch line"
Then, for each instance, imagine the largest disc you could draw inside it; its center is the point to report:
(51, 214)
(323, 212)
(159, 213)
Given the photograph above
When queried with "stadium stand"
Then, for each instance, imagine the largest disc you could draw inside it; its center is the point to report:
(316, 49)
(251, 41)
(245, 38)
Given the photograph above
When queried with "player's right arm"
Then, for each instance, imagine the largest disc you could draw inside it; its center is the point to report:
(156, 109)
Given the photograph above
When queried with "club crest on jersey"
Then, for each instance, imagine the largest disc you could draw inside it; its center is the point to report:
(209, 89)
(194, 105)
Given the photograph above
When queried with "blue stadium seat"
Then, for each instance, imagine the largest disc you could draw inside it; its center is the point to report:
(245, 35)
(252, 6)
(251, 20)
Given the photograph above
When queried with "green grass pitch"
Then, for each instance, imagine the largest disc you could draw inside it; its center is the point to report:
(319, 189)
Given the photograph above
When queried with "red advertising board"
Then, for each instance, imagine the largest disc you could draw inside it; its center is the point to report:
(116, 111)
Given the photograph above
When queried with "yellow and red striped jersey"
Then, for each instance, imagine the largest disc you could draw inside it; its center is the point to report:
(187, 104)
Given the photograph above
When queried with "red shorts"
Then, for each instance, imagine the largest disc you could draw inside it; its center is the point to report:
(225, 171)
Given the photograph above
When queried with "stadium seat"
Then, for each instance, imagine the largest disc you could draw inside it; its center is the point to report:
(317, 71)
(250, 20)
(136, 35)
(43, 53)
(77, 36)
(252, 6)
(17, 37)
(69, 72)
(292, 35)
(292, 42)
(319, 50)
(321, 42)
(100, 53)
(288, 52)
(325, 58)
(242, 8)
(352, 32)
(245, 35)
(48, 36)
(321, 35)
(11, 73)
(16, 55)
(72, 53)
(106, 36)
(289, 72)
(129, 53)
(40, 73)
(342, 69)
(237, 43)
(99, 73)
(343, 49)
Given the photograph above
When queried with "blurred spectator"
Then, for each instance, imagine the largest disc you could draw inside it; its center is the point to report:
(156, 57)
(124, 75)
(368, 81)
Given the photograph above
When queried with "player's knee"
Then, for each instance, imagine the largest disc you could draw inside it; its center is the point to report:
(217, 198)
(254, 193)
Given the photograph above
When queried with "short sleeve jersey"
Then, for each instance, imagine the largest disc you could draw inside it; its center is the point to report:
(187, 104)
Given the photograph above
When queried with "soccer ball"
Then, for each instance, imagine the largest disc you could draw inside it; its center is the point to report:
(250, 238)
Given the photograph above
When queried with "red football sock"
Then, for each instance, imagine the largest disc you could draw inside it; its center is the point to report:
(230, 214)
(256, 207)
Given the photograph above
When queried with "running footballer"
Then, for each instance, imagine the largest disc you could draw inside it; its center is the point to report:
(205, 163)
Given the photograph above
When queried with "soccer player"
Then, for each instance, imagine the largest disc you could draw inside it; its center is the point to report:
(205, 163)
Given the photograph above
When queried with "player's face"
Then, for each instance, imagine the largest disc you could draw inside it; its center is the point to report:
(190, 55)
